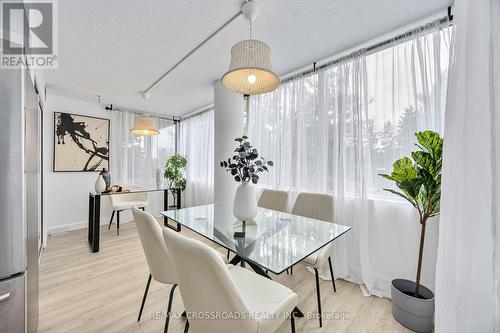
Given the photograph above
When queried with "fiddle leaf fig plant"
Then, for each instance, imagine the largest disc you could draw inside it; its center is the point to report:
(246, 164)
(174, 172)
(419, 181)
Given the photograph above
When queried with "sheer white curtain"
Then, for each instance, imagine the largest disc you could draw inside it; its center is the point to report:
(336, 130)
(134, 159)
(468, 266)
(197, 144)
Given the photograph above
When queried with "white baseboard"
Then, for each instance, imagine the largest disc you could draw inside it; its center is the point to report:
(63, 228)
(59, 229)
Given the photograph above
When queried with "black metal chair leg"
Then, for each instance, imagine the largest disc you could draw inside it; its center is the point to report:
(186, 328)
(169, 307)
(331, 273)
(292, 319)
(318, 295)
(111, 220)
(144, 298)
(118, 222)
(228, 252)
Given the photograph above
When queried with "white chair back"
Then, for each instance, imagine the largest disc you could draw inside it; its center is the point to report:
(206, 286)
(117, 199)
(157, 254)
(274, 199)
(314, 205)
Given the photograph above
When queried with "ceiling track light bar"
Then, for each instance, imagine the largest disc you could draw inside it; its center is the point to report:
(191, 52)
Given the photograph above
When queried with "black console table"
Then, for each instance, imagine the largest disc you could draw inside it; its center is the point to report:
(94, 227)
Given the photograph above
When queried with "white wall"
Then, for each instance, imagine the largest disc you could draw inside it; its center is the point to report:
(67, 193)
(228, 122)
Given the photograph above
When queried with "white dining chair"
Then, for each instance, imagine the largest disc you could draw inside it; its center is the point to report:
(157, 255)
(120, 202)
(320, 207)
(209, 286)
(274, 199)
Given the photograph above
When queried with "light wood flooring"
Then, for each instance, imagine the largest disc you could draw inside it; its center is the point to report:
(102, 292)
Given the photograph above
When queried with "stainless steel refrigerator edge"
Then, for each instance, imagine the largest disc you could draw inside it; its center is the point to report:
(19, 201)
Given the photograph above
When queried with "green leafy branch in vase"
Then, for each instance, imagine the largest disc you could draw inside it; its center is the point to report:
(246, 164)
(174, 173)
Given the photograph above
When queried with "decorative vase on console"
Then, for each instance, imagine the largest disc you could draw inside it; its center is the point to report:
(100, 184)
(107, 177)
(159, 178)
(245, 167)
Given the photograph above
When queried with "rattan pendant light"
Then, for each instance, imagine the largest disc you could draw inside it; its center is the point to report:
(144, 126)
(250, 71)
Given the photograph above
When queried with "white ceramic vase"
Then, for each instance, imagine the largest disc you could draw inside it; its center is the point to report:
(245, 202)
(100, 184)
(159, 178)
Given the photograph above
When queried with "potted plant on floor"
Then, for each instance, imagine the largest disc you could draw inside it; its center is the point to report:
(419, 179)
(245, 167)
(174, 174)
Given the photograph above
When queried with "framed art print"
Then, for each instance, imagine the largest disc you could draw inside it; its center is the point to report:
(81, 143)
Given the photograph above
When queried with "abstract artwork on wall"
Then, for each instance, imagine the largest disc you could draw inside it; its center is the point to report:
(81, 143)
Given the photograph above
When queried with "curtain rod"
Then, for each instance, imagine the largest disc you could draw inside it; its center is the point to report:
(142, 113)
(197, 112)
(376, 47)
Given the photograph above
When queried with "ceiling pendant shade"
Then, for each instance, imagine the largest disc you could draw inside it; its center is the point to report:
(144, 126)
(250, 71)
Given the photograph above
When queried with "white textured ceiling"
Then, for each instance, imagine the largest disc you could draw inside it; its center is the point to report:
(116, 48)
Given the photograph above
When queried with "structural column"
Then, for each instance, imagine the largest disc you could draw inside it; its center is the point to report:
(229, 124)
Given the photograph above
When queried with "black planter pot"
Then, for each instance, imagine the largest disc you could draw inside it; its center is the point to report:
(414, 313)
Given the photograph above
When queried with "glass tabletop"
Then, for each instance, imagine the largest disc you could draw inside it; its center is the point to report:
(273, 240)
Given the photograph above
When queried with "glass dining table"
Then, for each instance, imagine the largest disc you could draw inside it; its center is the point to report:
(272, 242)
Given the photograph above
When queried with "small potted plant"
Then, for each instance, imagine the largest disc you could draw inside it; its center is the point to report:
(419, 179)
(245, 167)
(174, 174)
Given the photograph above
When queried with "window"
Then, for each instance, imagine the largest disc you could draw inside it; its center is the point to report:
(135, 159)
(196, 143)
(338, 129)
